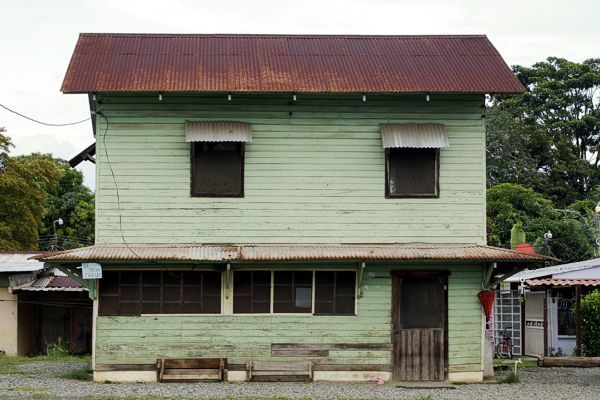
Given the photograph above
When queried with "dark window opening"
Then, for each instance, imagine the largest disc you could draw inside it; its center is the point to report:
(251, 292)
(412, 172)
(159, 292)
(421, 303)
(335, 292)
(217, 169)
(292, 292)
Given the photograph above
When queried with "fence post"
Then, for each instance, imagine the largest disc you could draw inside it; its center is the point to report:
(578, 322)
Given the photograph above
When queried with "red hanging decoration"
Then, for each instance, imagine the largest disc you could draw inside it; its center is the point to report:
(486, 298)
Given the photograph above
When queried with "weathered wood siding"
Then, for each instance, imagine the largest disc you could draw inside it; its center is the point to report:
(316, 175)
(141, 340)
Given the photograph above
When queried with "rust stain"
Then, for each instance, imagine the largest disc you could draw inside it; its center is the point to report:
(287, 63)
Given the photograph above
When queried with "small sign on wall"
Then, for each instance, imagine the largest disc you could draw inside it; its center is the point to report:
(534, 324)
(91, 270)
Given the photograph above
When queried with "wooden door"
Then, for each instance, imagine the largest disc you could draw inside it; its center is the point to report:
(419, 324)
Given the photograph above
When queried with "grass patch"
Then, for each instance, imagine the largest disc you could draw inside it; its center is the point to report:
(79, 374)
(27, 389)
(10, 365)
(510, 378)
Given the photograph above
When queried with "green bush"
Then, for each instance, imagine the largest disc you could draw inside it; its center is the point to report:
(590, 324)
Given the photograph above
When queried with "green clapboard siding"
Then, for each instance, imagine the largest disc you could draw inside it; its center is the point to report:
(129, 340)
(315, 176)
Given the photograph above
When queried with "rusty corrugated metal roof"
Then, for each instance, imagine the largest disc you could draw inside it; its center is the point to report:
(563, 282)
(217, 131)
(282, 252)
(414, 135)
(287, 63)
(51, 281)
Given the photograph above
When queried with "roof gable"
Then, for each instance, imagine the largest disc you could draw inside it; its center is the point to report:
(287, 63)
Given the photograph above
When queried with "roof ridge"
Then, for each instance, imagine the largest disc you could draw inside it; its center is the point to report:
(282, 35)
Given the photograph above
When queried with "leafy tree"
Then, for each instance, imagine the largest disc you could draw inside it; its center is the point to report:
(72, 201)
(36, 190)
(590, 327)
(509, 159)
(22, 197)
(559, 120)
(507, 204)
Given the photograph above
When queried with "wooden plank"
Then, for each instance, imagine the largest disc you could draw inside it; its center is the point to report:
(280, 365)
(192, 371)
(576, 362)
(282, 378)
(299, 353)
(125, 367)
(192, 363)
(352, 367)
(331, 346)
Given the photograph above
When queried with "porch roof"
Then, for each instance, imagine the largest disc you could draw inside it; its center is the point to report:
(563, 282)
(291, 252)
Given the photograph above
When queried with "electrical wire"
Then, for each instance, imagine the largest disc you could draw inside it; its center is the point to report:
(43, 123)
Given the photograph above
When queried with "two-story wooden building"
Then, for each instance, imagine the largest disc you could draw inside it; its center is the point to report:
(290, 198)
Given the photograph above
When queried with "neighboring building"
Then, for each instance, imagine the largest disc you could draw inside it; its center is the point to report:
(40, 308)
(548, 308)
(283, 198)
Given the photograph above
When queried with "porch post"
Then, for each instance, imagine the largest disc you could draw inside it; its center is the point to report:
(578, 322)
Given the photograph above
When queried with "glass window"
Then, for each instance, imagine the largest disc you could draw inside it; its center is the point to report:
(412, 172)
(251, 292)
(217, 169)
(335, 292)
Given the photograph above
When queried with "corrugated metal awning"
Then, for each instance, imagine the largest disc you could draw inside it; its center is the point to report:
(414, 135)
(563, 282)
(290, 252)
(217, 131)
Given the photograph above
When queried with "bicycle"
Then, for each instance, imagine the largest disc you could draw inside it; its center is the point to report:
(504, 348)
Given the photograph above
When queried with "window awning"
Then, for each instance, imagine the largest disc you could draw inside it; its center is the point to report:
(414, 135)
(217, 131)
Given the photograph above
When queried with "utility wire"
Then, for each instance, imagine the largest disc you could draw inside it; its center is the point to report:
(40, 122)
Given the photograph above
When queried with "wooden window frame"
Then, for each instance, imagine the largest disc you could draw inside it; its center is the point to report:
(193, 174)
(334, 292)
(434, 195)
(313, 300)
(181, 299)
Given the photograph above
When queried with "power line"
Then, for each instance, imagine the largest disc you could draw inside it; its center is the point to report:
(40, 122)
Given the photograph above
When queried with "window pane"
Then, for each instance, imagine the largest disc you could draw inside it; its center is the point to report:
(217, 168)
(335, 292)
(251, 292)
(412, 171)
(292, 292)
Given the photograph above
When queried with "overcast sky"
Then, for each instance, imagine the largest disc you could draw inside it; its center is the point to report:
(37, 38)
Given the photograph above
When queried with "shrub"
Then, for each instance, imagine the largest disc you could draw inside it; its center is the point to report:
(590, 324)
(510, 378)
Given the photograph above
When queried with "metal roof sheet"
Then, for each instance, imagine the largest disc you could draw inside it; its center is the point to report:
(414, 135)
(283, 252)
(563, 282)
(103, 62)
(52, 281)
(217, 131)
(555, 269)
(19, 262)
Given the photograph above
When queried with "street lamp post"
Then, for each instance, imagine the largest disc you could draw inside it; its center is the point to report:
(55, 237)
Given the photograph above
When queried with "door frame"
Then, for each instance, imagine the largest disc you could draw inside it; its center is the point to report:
(396, 274)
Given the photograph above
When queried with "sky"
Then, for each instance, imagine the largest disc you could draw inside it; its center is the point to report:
(37, 38)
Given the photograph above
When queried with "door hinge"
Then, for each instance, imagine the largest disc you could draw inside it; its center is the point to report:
(445, 287)
(445, 369)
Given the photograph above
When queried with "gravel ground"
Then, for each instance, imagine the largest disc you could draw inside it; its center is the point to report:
(42, 380)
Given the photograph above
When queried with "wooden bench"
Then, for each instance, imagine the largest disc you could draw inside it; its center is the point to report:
(279, 371)
(190, 369)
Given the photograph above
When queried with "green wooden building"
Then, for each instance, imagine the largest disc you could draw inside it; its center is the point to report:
(279, 200)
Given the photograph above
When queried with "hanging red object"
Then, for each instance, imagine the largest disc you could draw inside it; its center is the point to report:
(486, 298)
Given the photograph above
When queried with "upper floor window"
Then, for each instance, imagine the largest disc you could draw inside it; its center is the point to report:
(217, 161)
(412, 158)
(412, 172)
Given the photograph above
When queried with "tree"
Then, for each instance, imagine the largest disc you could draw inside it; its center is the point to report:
(72, 201)
(573, 234)
(35, 190)
(22, 197)
(559, 118)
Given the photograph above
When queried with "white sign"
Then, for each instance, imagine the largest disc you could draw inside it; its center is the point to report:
(91, 270)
